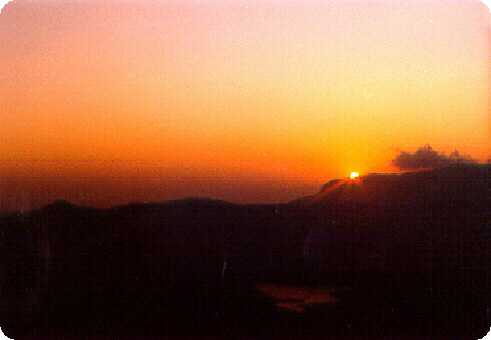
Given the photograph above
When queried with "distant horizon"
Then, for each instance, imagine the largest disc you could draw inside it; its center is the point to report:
(32, 206)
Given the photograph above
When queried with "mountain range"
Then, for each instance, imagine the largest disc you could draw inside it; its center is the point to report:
(403, 254)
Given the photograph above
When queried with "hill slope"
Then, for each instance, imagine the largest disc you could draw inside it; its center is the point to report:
(156, 268)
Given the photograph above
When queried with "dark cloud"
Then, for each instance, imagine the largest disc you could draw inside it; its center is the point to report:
(427, 158)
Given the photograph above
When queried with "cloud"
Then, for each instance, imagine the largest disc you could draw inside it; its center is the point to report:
(3, 3)
(427, 158)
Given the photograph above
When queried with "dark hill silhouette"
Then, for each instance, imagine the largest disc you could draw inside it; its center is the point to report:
(405, 254)
(452, 187)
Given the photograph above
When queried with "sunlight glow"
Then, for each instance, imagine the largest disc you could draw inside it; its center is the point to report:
(354, 175)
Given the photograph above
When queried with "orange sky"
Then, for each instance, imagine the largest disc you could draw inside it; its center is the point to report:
(243, 100)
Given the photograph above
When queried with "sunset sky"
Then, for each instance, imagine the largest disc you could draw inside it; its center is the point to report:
(107, 102)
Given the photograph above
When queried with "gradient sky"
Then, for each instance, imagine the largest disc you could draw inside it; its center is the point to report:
(108, 102)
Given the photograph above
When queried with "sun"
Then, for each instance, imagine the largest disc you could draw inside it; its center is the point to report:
(354, 175)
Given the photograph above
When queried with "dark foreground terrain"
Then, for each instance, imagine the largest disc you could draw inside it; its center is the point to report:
(402, 256)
